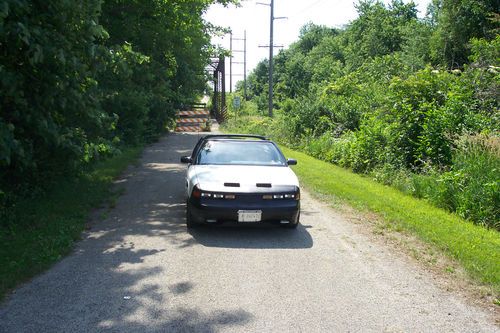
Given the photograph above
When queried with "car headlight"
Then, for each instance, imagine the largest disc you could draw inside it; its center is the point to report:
(279, 196)
(197, 193)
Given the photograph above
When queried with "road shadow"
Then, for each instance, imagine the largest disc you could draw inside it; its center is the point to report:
(119, 277)
(255, 236)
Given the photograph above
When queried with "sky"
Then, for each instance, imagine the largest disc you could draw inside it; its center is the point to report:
(254, 18)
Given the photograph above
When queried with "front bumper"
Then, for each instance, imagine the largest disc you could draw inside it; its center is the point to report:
(219, 211)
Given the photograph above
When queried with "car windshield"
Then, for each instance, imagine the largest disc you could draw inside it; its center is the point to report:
(240, 153)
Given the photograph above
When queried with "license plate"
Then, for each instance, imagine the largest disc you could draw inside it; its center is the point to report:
(249, 215)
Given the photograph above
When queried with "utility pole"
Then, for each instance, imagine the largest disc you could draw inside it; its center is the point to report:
(231, 62)
(271, 47)
(245, 64)
(244, 39)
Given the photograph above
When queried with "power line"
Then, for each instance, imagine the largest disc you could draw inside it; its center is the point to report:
(298, 15)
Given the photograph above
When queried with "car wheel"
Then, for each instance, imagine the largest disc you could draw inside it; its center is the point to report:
(190, 222)
(293, 225)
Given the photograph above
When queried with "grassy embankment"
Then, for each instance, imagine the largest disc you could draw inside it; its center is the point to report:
(476, 248)
(42, 230)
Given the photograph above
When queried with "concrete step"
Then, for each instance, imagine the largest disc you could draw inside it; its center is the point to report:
(193, 113)
(191, 120)
(188, 129)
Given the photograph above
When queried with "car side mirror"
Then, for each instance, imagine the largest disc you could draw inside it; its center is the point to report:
(186, 159)
(291, 161)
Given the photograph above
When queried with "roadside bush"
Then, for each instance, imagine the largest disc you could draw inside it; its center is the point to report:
(477, 162)
(319, 147)
(471, 187)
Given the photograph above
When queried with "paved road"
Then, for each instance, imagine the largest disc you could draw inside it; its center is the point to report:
(139, 270)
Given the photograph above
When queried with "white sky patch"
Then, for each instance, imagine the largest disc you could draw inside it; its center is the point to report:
(254, 18)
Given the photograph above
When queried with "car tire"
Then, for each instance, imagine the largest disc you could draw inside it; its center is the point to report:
(292, 225)
(190, 222)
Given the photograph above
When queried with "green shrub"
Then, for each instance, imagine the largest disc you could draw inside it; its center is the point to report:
(471, 188)
(477, 161)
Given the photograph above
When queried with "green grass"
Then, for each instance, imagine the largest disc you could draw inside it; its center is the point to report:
(42, 230)
(476, 248)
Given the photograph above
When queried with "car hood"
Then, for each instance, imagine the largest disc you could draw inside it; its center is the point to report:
(224, 178)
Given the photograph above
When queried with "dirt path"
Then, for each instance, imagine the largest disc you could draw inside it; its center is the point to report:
(139, 270)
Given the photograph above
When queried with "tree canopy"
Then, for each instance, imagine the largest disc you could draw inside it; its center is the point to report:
(79, 79)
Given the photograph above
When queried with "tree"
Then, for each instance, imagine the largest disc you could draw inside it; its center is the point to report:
(72, 90)
(50, 113)
(457, 22)
(175, 39)
(378, 31)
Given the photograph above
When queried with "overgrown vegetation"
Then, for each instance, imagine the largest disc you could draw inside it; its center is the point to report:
(412, 102)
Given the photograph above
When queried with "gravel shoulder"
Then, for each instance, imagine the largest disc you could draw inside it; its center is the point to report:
(140, 270)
